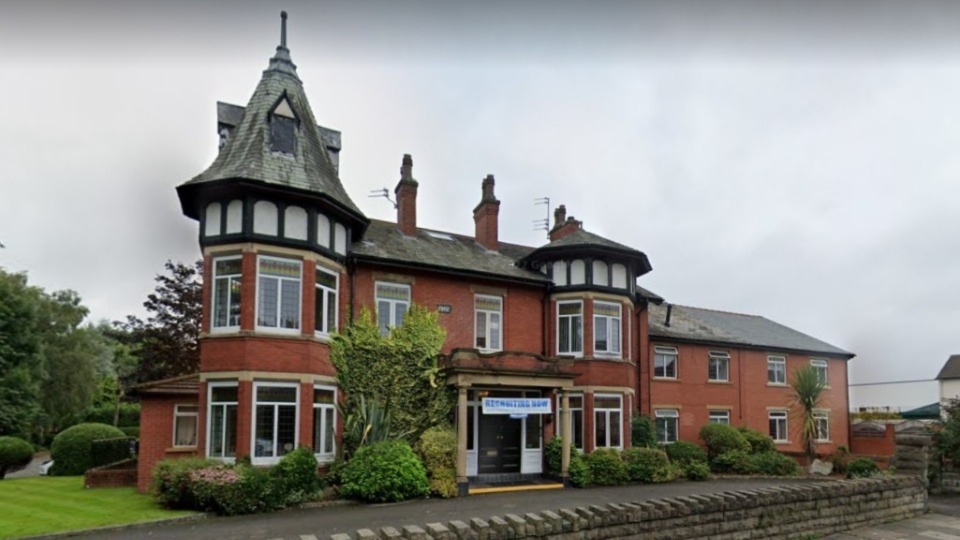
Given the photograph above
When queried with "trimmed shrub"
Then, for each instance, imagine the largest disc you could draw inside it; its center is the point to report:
(437, 449)
(759, 442)
(684, 452)
(131, 431)
(295, 477)
(642, 463)
(606, 467)
(643, 433)
(667, 473)
(387, 471)
(580, 474)
(733, 461)
(172, 486)
(235, 490)
(71, 449)
(862, 468)
(774, 463)
(840, 459)
(106, 451)
(721, 438)
(15, 454)
(697, 471)
(553, 454)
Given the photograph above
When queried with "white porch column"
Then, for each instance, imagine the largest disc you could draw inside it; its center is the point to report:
(463, 484)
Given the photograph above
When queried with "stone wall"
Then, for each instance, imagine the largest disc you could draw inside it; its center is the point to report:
(789, 511)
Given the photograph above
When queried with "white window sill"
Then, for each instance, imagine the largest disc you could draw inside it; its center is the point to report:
(224, 329)
(718, 381)
(669, 379)
(275, 330)
(781, 442)
(777, 384)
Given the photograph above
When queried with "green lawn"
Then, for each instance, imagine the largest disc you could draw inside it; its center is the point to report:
(31, 506)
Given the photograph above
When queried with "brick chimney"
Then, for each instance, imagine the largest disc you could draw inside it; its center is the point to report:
(563, 225)
(406, 192)
(486, 217)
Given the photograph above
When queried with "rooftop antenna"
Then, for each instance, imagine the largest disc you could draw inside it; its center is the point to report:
(384, 192)
(543, 224)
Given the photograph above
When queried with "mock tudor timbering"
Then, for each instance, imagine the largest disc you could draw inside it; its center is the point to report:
(289, 259)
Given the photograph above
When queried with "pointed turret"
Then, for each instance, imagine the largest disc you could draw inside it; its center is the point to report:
(276, 145)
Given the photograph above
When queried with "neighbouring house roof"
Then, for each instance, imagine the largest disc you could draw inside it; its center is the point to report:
(711, 326)
(247, 153)
(184, 384)
(931, 411)
(951, 369)
(384, 243)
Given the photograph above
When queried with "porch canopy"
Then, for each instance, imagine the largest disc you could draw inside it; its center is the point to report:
(466, 368)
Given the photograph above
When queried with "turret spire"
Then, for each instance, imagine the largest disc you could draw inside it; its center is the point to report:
(281, 60)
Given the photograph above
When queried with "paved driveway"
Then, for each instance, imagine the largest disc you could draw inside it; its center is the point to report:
(33, 469)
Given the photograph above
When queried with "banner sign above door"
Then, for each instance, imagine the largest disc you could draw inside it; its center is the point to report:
(516, 406)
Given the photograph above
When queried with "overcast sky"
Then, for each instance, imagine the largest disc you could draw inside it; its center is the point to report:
(796, 160)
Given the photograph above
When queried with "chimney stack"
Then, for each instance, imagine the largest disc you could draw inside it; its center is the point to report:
(563, 225)
(486, 217)
(406, 192)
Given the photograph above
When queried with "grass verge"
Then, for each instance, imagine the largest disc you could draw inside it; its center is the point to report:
(44, 505)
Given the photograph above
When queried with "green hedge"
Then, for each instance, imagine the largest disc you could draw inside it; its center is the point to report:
(15, 454)
(296, 476)
(643, 432)
(643, 463)
(721, 438)
(106, 451)
(437, 449)
(387, 471)
(861, 468)
(685, 452)
(759, 442)
(606, 467)
(72, 448)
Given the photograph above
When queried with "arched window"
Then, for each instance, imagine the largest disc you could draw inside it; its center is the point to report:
(211, 222)
(578, 272)
(295, 223)
(323, 230)
(265, 218)
(600, 273)
(235, 217)
(560, 273)
(619, 276)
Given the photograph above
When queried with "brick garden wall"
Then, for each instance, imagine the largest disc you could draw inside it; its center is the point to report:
(819, 508)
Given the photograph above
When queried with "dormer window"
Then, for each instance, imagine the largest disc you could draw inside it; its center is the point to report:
(283, 127)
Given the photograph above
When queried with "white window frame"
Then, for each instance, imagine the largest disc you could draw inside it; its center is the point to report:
(779, 365)
(573, 424)
(778, 417)
(487, 315)
(821, 418)
(215, 298)
(331, 325)
(574, 328)
(279, 300)
(225, 405)
(614, 345)
(318, 408)
(179, 414)
(392, 303)
(608, 412)
(276, 457)
(719, 417)
(822, 368)
(659, 354)
(667, 416)
(719, 358)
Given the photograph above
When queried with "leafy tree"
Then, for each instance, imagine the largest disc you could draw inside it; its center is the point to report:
(20, 368)
(807, 393)
(947, 432)
(399, 370)
(166, 343)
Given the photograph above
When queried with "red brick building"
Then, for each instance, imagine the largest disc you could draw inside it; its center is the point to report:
(289, 259)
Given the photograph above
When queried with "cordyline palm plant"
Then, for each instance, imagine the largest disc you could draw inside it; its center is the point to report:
(807, 394)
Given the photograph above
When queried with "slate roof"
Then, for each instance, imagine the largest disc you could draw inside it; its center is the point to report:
(230, 115)
(383, 242)
(184, 384)
(698, 324)
(951, 369)
(247, 153)
(581, 239)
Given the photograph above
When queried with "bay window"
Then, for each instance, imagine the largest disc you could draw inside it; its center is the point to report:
(222, 420)
(607, 425)
(570, 328)
(275, 421)
(325, 307)
(278, 294)
(606, 329)
(226, 293)
(324, 423)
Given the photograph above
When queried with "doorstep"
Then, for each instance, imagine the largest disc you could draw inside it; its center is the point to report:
(508, 483)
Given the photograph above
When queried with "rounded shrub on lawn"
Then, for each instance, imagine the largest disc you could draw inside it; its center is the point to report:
(606, 467)
(387, 471)
(759, 442)
(71, 447)
(684, 452)
(642, 463)
(721, 438)
(15, 454)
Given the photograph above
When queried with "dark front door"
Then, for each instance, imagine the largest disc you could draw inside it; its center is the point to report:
(499, 449)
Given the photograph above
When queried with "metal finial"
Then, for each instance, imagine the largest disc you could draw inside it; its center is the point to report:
(283, 28)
